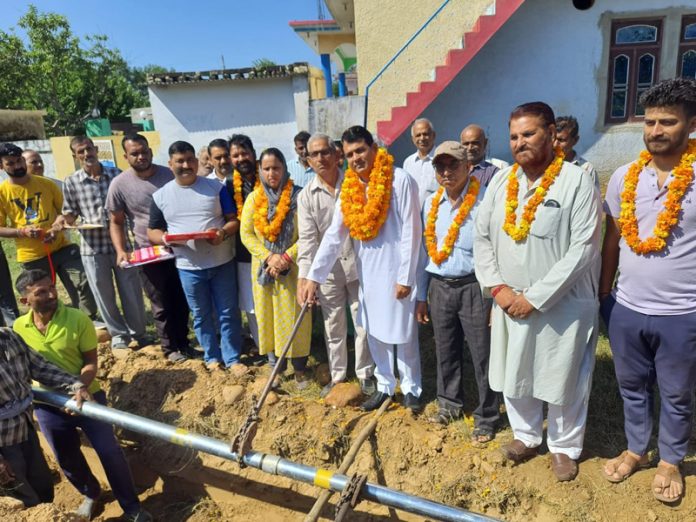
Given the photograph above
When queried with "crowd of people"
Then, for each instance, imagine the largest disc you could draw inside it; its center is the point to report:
(508, 261)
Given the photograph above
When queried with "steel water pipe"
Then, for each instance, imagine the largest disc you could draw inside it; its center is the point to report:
(273, 464)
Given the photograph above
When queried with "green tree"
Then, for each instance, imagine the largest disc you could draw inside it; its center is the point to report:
(263, 63)
(53, 71)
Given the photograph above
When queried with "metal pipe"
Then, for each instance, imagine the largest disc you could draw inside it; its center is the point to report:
(269, 463)
(398, 53)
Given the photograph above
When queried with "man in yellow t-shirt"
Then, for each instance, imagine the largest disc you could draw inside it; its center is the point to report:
(66, 337)
(29, 206)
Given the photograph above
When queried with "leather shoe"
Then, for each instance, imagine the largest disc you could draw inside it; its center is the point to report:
(412, 403)
(563, 467)
(375, 401)
(517, 452)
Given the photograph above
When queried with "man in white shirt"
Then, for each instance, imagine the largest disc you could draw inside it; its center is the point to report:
(219, 158)
(420, 164)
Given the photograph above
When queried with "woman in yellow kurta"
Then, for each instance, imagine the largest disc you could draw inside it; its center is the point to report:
(269, 231)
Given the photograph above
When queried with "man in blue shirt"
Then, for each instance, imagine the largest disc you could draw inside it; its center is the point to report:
(458, 309)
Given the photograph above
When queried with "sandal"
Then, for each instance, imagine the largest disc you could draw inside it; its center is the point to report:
(669, 474)
(482, 436)
(629, 460)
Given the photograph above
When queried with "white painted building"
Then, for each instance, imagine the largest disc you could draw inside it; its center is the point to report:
(577, 61)
(270, 106)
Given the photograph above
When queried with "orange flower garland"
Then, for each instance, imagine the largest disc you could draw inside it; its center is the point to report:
(238, 194)
(468, 202)
(521, 231)
(270, 231)
(365, 216)
(683, 176)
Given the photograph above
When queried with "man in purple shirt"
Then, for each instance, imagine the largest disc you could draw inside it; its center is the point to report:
(651, 313)
(474, 141)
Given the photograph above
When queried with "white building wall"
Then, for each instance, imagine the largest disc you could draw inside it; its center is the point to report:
(266, 110)
(550, 51)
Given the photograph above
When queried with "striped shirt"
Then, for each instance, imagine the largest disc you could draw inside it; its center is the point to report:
(19, 364)
(85, 197)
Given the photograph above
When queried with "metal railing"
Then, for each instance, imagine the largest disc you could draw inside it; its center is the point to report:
(398, 53)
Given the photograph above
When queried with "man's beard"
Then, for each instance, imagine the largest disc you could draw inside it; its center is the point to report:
(19, 173)
(246, 167)
(137, 168)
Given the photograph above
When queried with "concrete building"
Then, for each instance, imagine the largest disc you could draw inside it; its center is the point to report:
(471, 61)
(270, 105)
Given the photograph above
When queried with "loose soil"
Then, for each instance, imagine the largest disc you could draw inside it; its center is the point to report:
(406, 453)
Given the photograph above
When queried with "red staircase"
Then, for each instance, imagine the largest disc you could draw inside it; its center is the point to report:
(416, 102)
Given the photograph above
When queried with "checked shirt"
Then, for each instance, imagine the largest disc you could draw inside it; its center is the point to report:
(19, 364)
(85, 197)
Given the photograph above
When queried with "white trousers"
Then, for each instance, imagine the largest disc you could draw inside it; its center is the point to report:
(246, 298)
(566, 424)
(407, 362)
(333, 297)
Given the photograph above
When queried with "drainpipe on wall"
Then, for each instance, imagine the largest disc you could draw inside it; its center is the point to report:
(342, 89)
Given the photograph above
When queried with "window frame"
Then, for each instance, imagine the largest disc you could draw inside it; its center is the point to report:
(685, 45)
(634, 52)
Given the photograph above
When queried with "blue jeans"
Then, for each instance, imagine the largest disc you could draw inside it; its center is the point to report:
(215, 290)
(60, 430)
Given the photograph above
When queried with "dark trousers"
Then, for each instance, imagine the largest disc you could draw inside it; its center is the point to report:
(60, 430)
(649, 349)
(169, 307)
(460, 313)
(33, 482)
(67, 263)
(8, 303)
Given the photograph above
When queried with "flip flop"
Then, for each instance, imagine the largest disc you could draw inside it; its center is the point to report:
(672, 475)
(633, 463)
(481, 437)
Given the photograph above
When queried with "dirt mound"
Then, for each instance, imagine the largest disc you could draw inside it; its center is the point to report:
(406, 453)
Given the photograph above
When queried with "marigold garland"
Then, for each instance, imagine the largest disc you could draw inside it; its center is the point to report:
(270, 231)
(683, 176)
(468, 202)
(365, 215)
(238, 194)
(521, 231)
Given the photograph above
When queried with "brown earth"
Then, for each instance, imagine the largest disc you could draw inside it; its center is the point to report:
(406, 453)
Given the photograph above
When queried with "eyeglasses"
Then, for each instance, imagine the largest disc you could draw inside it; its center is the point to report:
(451, 166)
(324, 153)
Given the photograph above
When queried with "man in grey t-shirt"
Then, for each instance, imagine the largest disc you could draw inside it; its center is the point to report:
(206, 267)
(129, 199)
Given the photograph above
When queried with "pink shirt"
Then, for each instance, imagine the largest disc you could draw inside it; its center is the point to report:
(663, 283)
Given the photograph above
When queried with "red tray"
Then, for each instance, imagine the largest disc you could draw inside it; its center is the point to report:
(177, 238)
(147, 255)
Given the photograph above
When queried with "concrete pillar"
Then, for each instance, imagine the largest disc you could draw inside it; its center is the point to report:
(342, 89)
(326, 67)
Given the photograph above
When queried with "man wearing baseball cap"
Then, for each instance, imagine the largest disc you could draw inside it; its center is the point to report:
(458, 309)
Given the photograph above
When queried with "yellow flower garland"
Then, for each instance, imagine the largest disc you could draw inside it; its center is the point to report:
(667, 219)
(521, 231)
(468, 202)
(238, 194)
(270, 231)
(364, 216)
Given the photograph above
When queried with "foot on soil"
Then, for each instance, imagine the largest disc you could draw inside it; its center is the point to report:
(517, 452)
(620, 468)
(214, 366)
(176, 357)
(87, 508)
(238, 369)
(482, 436)
(668, 485)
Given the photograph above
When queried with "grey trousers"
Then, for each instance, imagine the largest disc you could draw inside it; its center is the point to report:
(459, 313)
(101, 270)
(333, 297)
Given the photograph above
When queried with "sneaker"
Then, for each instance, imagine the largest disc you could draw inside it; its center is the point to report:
(326, 389)
(176, 357)
(368, 386)
(214, 366)
(412, 403)
(238, 369)
(140, 516)
(119, 345)
(375, 401)
(99, 325)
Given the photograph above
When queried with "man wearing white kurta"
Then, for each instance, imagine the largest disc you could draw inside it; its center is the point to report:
(544, 320)
(387, 267)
